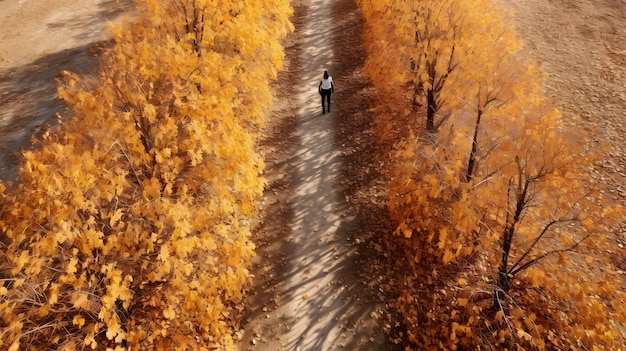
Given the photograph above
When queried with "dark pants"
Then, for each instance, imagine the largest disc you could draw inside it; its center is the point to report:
(326, 94)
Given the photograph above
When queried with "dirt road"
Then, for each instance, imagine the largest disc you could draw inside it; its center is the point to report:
(309, 295)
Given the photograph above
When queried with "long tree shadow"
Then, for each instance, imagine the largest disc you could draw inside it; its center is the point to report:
(28, 93)
(91, 28)
(29, 100)
(277, 212)
(364, 155)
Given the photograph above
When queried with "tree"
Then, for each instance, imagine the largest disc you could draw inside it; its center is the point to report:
(130, 225)
(544, 210)
(388, 62)
(438, 35)
(490, 210)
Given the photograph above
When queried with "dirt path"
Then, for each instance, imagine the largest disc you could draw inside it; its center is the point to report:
(309, 294)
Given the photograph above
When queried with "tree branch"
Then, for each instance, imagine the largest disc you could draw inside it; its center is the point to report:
(543, 232)
(536, 260)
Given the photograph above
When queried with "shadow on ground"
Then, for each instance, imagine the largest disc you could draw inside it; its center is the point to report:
(28, 93)
(310, 293)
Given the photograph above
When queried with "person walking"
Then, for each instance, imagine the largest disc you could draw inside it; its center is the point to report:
(326, 88)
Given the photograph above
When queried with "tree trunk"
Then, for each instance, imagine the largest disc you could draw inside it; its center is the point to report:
(432, 108)
(503, 286)
(472, 156)
(504, 279)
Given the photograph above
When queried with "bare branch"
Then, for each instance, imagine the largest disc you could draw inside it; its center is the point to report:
(540, 258)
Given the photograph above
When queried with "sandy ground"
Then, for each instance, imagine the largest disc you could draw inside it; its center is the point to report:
(30, 30)
(582, 46)
(37, 40)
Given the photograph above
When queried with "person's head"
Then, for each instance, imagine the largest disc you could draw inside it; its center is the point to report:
(325, 74)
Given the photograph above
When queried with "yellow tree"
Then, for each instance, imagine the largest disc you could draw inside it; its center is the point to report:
(491, 75)
(387, 63)
(484, 70)
(417, 46)
(130, 225)
(540, 215)
(438, 38)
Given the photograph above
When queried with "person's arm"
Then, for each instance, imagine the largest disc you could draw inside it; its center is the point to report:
(332, 86)
(319, 87)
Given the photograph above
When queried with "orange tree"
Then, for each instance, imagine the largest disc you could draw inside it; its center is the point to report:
(416, 47)
(130, 225)
(502, 234)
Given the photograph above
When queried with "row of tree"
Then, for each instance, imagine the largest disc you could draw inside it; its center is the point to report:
(502, 228)
(129, 227)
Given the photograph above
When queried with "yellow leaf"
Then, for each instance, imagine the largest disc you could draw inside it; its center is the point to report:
(82, 301)
(169, 313)
(448, 256)
(71, 266)
(443, 233)
(407, 233)
(79, 321)
(21, 261)
(165, 253)
(116, 217)
(524, 335)
(588, 223)
(54, 294)
(499, 316)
